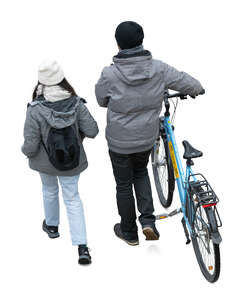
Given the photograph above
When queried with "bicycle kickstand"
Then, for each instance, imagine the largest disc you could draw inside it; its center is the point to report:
(185, 230)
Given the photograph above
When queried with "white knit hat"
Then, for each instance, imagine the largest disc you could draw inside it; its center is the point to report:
(50, 72)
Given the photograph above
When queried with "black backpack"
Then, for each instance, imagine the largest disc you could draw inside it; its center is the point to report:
(63, 147)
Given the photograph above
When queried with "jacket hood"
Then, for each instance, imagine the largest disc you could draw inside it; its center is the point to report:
(133, 70)
(58, 114)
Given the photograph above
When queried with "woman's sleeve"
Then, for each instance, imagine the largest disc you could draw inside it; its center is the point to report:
(87, 124)
(32, 135)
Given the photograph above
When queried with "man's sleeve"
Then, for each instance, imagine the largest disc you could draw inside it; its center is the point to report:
(102, 90)
(32, 135)
(181, 82)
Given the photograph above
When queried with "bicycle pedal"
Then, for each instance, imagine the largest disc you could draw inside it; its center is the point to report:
(161, 217)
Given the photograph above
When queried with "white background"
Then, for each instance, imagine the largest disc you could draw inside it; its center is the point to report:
(209, 40)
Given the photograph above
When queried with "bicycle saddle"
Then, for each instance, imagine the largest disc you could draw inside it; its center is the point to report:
(190, 152)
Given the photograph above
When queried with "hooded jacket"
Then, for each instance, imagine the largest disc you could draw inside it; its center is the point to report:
(133, 91)
(41, 116)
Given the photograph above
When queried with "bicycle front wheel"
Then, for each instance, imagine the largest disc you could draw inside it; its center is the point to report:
(206, 251)
(163, 172)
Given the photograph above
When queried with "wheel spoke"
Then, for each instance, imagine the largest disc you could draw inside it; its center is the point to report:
(162, 171)
(203, 238)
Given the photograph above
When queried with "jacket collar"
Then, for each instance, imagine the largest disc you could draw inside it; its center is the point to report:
(141, 53)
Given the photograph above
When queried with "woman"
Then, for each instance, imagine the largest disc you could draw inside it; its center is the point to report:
(57, 120)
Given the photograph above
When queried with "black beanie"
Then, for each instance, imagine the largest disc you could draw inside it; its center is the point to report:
(129, 35)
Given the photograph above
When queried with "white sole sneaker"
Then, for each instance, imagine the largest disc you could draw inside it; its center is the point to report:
(150, 234)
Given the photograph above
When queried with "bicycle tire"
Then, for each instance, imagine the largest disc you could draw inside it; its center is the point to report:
(165, 195)
(211, 271)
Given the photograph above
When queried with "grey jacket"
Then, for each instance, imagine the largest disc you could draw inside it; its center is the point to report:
(133, 89)
(41, 116)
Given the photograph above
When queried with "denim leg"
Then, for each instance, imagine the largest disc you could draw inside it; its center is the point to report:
(143, 188)
(50, 199)
(74, 208)
(123, 173)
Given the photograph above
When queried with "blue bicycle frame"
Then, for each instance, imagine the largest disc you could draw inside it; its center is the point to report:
(181, 179)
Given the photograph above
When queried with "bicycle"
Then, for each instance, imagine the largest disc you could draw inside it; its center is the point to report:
(200, 219)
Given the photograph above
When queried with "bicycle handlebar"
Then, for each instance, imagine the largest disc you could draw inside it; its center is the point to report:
(182, 96)
(178, 95)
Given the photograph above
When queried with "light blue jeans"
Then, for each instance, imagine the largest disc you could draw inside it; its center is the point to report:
(71, 197)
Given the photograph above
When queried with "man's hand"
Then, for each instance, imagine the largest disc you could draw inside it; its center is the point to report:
(202, 92)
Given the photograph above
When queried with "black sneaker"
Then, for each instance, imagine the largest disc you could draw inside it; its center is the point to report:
(119, 234)
(52, 231)
(150, 232)
(84, 257)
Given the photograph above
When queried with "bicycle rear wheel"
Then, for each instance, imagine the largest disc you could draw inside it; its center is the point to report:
(163, 172)
(207, 252)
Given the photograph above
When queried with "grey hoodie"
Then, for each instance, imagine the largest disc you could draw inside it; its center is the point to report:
(41, 116)
(133, 89)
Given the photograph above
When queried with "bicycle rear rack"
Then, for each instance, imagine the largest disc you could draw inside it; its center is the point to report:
(205, 195)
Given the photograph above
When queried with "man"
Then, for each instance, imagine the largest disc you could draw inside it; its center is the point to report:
(132, 89)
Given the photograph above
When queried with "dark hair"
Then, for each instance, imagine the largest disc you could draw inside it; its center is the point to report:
(64, 84)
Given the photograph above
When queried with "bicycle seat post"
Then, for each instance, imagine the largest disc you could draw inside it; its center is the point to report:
(190, 162)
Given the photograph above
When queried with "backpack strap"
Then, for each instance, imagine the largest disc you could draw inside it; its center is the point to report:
(81, 99)
(80, 133)
(44, 146)
(33, 103)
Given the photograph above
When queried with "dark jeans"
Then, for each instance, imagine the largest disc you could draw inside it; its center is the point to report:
(131, 170)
